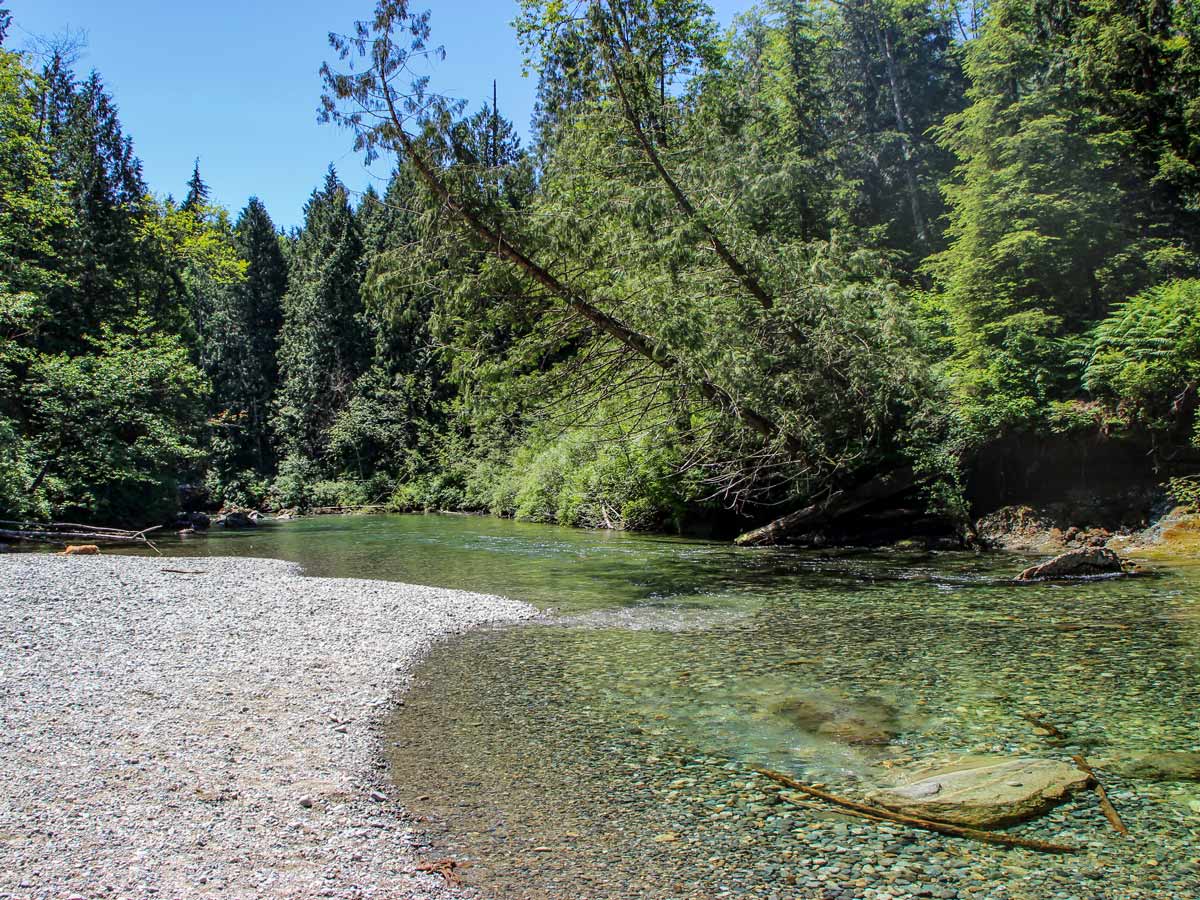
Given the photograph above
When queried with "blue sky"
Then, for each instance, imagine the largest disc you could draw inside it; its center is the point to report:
(236, 84)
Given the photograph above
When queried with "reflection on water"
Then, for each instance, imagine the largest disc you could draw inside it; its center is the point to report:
(606, 750)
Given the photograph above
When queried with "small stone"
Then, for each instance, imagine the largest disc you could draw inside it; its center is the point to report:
(306, 802)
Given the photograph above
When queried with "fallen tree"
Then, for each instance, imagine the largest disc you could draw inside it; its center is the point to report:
(797, 444)
(62, 532)
(879, 814)
(833, 507)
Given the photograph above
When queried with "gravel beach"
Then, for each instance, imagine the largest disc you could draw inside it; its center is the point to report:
(211, 733)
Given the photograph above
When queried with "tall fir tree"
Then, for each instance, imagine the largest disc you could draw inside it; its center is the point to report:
(321, 350)
(198, 192)
(90, 151)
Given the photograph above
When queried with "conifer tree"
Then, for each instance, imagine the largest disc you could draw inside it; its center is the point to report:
(90, 152)
(197, 192)
(321, 350)
(1075, 190)
(258, 242)
(241, 344)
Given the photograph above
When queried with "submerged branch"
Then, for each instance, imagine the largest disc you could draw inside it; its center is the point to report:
(886, 815)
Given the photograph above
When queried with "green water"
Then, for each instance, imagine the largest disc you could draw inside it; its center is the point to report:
(606, 750)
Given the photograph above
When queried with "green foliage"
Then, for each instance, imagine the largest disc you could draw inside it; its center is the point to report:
(1061, 206)
(1185, 491)
(320, 345)
(1145, 357)
(115, 425)
(846, 237)
(291, 488)
(102, 406)
(578, 480)
(238, 347)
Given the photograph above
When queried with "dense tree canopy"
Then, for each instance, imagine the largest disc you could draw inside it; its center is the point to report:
(744, 270)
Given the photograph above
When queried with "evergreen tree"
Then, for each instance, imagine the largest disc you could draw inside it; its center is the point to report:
(1069, 196)
(259, 243)
(90, 152)
(893, 75)
(197, 192)
(242, 349)
(322, 350)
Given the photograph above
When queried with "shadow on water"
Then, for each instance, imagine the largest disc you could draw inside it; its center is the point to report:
(604, 751)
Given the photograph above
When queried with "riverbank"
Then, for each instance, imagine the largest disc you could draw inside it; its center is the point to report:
(189, 728)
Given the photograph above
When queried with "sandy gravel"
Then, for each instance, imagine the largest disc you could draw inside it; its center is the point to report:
(176, 735)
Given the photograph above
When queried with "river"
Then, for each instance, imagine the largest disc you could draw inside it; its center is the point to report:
(606, 750)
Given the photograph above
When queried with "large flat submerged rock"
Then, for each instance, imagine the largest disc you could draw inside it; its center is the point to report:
(983, 791)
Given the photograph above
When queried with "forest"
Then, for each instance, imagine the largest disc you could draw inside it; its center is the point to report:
(823, 258)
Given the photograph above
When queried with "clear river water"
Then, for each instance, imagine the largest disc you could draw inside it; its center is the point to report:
(606, 749)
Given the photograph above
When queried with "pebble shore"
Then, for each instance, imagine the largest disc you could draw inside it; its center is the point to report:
(208, 732)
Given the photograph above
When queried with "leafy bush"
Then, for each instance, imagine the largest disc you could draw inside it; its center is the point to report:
(246, 489)
(349, 492)
(1146, 356)
(16, 475)
(1185, 492)
(117, 425)
(586, 478)
(291, 485)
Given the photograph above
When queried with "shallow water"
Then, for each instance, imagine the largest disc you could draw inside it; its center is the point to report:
(606, 751)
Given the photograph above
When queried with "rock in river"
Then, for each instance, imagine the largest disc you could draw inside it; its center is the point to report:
(238, 519)
(983, 791)
(839, 718)
(1085, 563)
(1163, 765)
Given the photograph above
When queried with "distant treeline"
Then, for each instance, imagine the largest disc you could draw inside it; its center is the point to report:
(842, 238)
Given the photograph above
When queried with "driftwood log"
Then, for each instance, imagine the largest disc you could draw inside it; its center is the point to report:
(886, 815)
(335, 510)
(833, 507)
(62, 532)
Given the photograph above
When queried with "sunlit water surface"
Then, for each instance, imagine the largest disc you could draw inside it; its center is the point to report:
(606, 749)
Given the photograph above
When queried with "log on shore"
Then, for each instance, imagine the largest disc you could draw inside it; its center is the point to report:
(833, 507)
(51, 534)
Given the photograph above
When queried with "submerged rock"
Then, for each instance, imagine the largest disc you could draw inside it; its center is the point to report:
(983, 791)
(839, 718)
(1163, 765)
(1084, 563)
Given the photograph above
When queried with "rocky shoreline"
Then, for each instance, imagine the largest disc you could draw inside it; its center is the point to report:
(191, 728)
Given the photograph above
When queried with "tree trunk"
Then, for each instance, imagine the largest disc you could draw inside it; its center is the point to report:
(641, 344)
(903, 126)
(833, 507)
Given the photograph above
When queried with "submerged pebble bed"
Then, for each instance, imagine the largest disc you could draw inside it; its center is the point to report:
(595, 758)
